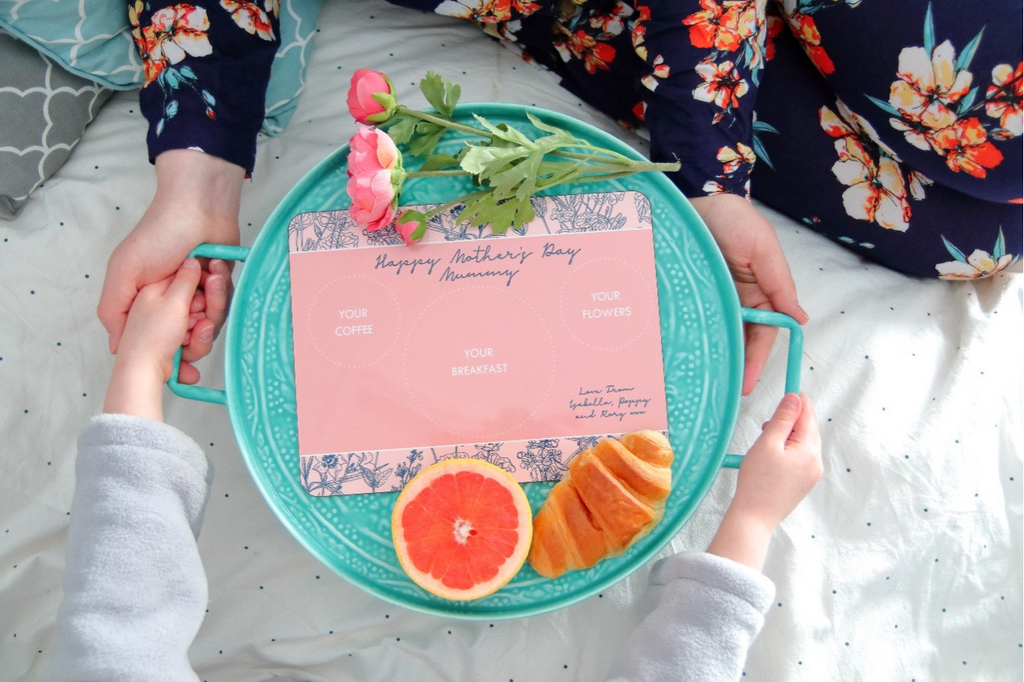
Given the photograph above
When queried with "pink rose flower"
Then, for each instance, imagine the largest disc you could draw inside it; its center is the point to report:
(375, 178)
(371, 97)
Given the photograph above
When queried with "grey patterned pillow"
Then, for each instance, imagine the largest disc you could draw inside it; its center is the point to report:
(43, 112)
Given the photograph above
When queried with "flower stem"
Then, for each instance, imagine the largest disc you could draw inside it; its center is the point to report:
(604, 176)
(616, 158)
(634, 167)
(444, 122)
(436, 174)
(599, 178)
(459, 200)
(448, 123)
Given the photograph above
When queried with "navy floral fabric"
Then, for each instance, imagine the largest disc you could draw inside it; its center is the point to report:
(907, 152)
(893, 128)
(207, 65)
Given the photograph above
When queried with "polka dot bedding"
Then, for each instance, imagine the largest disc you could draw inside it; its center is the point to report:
(903, 564)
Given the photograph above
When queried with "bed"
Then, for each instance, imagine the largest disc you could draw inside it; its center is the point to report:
(903, 564)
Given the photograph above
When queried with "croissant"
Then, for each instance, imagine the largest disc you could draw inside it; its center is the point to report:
(612, 495)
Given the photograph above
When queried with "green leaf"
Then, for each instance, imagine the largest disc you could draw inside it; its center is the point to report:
(386, 100)
(967, 101)
(439, 161)
(500, 216)
(484, 160)
(517, 178)
(524, 212)
(401, 128)
(553, 173)
(432, 88)
(885, 106)
(953, 251)
(474, 207)
(442, 95)
(760, 153)
(452, 92)
(571, 176)
(504, 132)
(426, 138)
(562, 138)
(759, 126)
(967, 54)
(1000, 249)
(929, 31)
(541, 125)
(172, 77)
(412, 214)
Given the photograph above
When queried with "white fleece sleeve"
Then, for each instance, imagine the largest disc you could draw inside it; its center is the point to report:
(134, 588)
(703, 613)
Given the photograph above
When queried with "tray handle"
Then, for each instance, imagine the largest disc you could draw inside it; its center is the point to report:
(796, 350)
(202, 393)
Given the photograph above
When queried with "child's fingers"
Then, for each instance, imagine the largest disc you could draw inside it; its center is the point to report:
(187, 374)
(200, 341)
(185, 282)
(216, 291)
(216, 294)
(786, 414)
(805, 430)
(205, 328)
(198, 302)
(219, 267)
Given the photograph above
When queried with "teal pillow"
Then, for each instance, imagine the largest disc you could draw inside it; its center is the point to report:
(92, 39)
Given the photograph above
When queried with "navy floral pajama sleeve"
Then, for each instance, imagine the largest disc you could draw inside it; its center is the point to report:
(207, 65)
(892, 128)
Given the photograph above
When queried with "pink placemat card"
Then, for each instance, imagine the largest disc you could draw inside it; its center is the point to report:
(523, 349)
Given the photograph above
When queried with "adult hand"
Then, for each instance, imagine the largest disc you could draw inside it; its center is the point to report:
(196, 201)
(758, 266)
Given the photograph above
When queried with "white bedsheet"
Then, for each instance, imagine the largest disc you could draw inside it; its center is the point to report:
(904, 563)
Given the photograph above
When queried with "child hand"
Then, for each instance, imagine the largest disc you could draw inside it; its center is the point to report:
(777, 472)
(207, 312)
(783, 464)
(159, 322)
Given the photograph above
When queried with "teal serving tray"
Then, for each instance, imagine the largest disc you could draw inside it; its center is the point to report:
(702, 341)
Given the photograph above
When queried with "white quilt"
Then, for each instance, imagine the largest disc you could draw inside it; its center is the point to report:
(903, 564)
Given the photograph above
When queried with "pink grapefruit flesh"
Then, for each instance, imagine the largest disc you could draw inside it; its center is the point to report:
(462, 528)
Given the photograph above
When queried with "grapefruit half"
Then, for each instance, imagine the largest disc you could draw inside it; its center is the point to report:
(462, 528)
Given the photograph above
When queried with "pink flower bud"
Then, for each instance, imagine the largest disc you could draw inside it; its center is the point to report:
(405, 229)
(371, 97)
